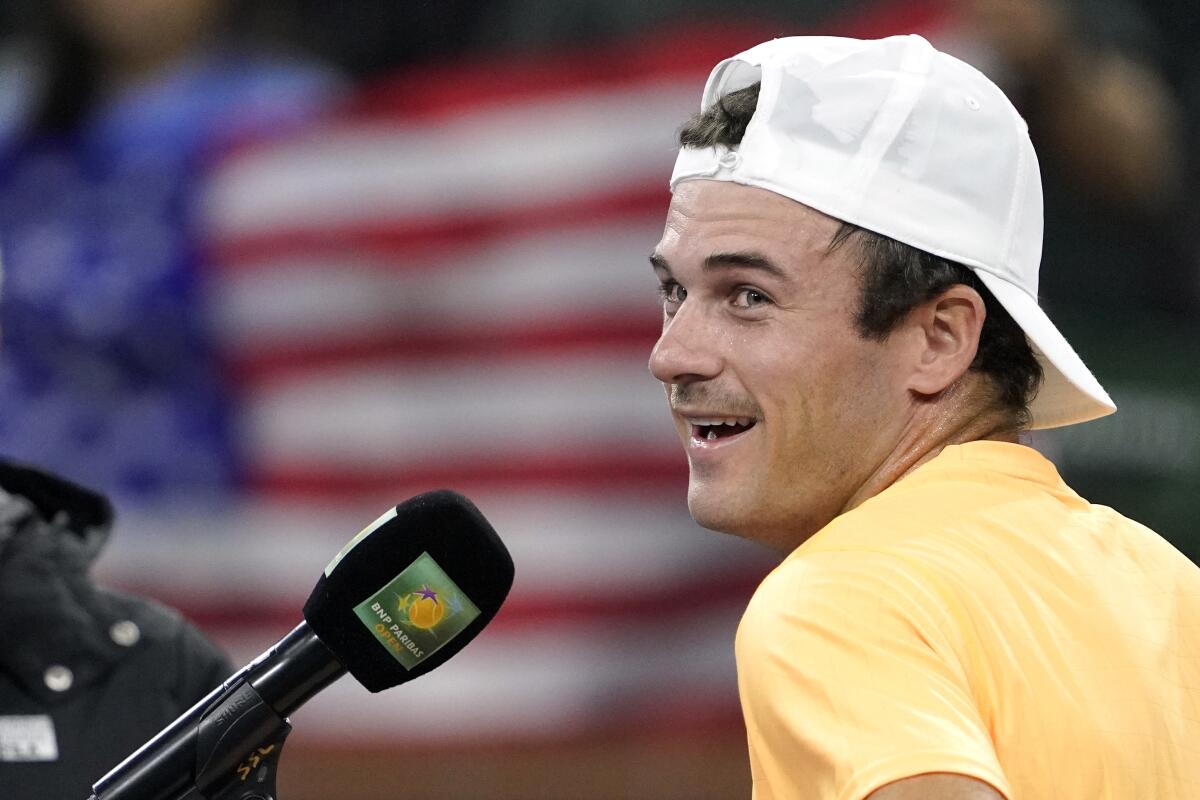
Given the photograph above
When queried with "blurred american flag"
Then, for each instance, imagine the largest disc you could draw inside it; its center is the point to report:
(446, 285)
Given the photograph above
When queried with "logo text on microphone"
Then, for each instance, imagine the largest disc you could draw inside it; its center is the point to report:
(417, 612)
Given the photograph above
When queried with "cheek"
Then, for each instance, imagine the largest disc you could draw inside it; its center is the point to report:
(793, 372)
(863, 392)
(825, 392)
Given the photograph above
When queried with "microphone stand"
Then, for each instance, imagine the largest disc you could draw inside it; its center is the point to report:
(236, 733)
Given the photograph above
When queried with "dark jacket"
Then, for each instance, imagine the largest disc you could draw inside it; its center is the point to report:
(86, 675)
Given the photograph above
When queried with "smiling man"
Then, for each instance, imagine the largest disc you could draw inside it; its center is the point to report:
(851, 348)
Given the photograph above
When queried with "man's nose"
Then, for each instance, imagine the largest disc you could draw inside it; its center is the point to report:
(688, 349)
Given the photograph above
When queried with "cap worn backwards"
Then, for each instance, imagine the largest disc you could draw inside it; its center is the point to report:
(906, 141)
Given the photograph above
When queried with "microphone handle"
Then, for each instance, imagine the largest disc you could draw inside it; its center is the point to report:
(297, 667)
(210, 742)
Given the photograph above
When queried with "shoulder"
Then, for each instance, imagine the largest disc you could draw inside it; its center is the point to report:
(941, 537)
(159, 626)
(809, 583)
(852, 673)
(159, 639)
(846, 604)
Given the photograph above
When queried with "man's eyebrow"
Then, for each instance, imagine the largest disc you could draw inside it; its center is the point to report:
(745, 261)
(734, 260)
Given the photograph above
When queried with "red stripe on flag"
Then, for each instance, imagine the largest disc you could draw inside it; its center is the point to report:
(633, 334)
(666, 719)
(700, 593)
(418, 238)
(426, 91)
(665, 472)
(660, 53)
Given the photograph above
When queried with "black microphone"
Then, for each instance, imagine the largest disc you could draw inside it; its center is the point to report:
(402, 597)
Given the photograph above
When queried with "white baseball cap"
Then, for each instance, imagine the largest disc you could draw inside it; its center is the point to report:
(903, 140)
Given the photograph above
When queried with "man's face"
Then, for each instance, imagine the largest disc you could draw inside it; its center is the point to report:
(784, 410)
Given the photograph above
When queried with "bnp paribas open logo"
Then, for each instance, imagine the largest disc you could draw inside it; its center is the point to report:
(417, 612)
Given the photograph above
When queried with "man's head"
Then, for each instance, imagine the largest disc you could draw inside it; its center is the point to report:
(838, 336)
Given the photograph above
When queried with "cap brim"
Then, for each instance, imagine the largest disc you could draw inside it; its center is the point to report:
(1069, 392)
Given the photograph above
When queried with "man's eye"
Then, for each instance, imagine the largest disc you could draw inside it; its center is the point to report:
(746, 297)
(671, 294)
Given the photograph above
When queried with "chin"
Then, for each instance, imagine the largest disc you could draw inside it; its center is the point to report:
(723, 514)
(715, 522)
(738, 517)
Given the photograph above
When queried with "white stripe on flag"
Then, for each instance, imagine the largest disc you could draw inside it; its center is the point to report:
(547, 275)
(536, 683)
(576, 544)
(391, 415)
(541, 151)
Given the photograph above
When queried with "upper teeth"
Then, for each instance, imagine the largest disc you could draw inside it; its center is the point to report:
(730, 421)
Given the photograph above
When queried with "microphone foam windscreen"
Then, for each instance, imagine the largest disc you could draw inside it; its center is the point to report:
(411, 590)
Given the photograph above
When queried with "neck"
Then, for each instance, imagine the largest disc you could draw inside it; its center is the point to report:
(961, 414)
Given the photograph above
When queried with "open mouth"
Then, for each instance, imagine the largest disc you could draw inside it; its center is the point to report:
(712, 430)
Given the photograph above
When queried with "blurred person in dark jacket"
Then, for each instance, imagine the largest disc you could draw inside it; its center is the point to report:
(86, 674)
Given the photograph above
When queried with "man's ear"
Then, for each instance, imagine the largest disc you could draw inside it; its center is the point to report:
(945, 332)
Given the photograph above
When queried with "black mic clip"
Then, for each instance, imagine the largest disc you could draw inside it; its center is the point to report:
(225, 769)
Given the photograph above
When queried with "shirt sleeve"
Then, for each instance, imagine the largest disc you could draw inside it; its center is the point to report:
(850, 679)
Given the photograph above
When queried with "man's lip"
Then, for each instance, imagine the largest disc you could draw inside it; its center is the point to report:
(700, 420)
(698, 441)
(691, 414)
(714, 421)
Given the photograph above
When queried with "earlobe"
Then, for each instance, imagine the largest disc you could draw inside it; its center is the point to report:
(947, 330)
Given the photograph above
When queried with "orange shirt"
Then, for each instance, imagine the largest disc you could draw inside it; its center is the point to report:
(977, 617)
